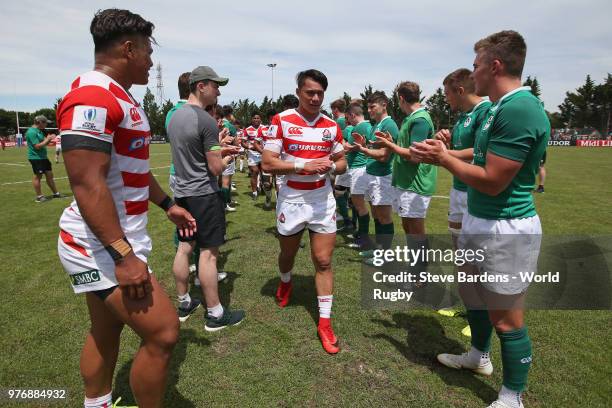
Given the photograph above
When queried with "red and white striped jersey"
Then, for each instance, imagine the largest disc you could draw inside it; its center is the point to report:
(296, 139)
(98, 107)
(253, 135)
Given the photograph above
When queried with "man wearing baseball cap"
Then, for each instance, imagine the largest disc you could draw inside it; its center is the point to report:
(37, 155)
(198, 162)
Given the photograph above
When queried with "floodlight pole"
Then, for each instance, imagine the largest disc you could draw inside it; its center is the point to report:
(272, 66)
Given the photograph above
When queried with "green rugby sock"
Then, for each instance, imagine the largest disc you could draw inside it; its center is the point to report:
(481, 328)
(342, 204)
(364, 225)
(226, 195)
(384, 236)
(516, 357)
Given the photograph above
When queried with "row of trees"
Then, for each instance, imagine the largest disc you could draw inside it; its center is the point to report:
(590, 105)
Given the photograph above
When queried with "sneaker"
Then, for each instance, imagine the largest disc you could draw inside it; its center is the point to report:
(449, 312)
(116, 404)
(369, 261)
(459, 361)
(350, 236)
(329, 341)
(59, 195)
(499, 404)
(41, 199)
(367, 254)
(467, 332)
(540, 189)
(283, 293)
(184, 313)
(229, 318)
(353, 245)
(221, 276)
(254, 196)
(229, 208)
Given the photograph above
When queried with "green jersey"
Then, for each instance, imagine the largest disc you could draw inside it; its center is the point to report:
(373, 166)
(341, 121)
(168, 116)
(518, 129)
(464, 133)
(417, 177)
(33, 137)
(230, 126)
(356, 159)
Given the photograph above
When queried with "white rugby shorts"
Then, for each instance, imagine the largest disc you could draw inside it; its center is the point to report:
(509, 246)
(409, 204)
(89, 265)
(458, 205)
(379, 190)
(319, 217)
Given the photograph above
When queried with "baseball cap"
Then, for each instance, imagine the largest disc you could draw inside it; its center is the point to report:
(203, 73)
(41, 118)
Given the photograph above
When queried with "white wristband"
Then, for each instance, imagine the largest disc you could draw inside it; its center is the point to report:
(298, 166)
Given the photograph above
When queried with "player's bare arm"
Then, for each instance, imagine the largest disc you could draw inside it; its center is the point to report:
(179, 216)
(87, 172)
(491, 179)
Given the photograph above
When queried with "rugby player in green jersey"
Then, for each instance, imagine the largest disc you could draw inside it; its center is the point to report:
(357, 170)
(414, 183)
(379, 190)
(507, 152)
(460, 93)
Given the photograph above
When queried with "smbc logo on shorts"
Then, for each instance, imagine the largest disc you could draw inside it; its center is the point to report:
(85, 277)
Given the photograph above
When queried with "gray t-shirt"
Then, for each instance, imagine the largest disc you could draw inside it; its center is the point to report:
(193, 132)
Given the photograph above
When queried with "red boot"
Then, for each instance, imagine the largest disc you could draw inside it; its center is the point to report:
(283, 293)
(327, 336)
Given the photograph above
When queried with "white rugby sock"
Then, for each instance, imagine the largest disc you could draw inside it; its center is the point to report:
(285, 277)
(510, 397)
(325, 306)
(104, 401)
(184, 300)
(216, 311)
(477, 357)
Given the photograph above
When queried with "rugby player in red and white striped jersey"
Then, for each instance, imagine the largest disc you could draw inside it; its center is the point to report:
(103, 243)
(306, 146)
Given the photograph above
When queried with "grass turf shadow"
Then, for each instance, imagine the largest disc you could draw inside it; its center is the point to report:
(172, 398)
(303, 295)
(425, 339)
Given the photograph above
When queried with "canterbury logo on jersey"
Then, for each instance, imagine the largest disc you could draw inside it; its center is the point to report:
(326, 135)
(315, 148)
(295, 131)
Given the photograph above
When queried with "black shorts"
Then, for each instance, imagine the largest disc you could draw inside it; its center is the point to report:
(40, 166)
(209, 213)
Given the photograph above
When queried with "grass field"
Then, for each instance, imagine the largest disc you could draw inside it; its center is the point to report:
(274, 358)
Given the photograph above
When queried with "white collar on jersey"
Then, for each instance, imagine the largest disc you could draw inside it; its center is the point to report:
(307, 122)
(520, 88)
(484, 99)
(420, 109)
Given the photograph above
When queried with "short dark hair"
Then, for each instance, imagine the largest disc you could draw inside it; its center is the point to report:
(194, 85)
(507, 46)
(183, 85)
(270, 113)
(255, 114)
(313, 74)
(460, 78)
(355, 107)
(378, 97)
(339, 104)
(409, 91)
(227, 110)
(113, 25)
(290, 102)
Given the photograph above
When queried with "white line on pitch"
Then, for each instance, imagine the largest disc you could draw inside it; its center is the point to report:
(436, 196)
(14, 164)
(61, 178)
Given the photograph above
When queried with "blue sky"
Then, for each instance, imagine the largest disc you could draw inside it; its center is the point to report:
(44, 45)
